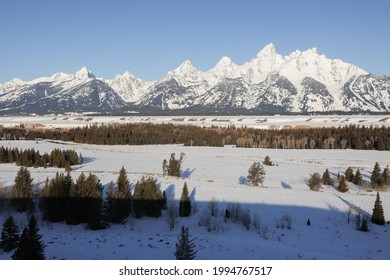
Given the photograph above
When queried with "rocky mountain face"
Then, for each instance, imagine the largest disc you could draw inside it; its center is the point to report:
(301, 82)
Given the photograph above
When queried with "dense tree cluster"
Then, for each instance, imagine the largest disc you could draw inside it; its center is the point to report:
(80, 202)
(30, 245)
(147, 198)
(346, 137)
(10, 235)
(173, 166)
(31, 158)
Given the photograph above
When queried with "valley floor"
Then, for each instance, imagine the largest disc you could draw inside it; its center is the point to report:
(276, 121)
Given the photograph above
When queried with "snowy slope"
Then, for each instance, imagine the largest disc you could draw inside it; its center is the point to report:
(217, 173)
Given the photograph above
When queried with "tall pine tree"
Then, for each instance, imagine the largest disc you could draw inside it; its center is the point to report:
(185, 202)
(185, 246)
(73, 208)
(342, 185)
(119, 199)
(349, 174)
(30, 246)
(22, 192)
(358, 179)
(376, 176)
(148, 198)
(377, 213)
(326, 177)
(92, 202)
(53, 199)
(10, 235)
(385, 177)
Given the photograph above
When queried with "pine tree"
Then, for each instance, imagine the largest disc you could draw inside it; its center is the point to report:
(376, 176)
(119, 199)
(22, 192)
(164, 201)
(185, 246)
(30, 245)
(185, 202)
(377, 213)
(358, 179)
(147, 198)
(256, 174)
(173, 167)
(326, 177)
(81, 159)
(54, 199)
(10, 235)
(342, 185)
(91, 202)
(267, 161)
(314, 182)
(73, 206)
(349, 174)
(385, 177)
(68, 167)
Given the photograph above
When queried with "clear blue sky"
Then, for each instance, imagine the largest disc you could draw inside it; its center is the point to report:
(149, 38)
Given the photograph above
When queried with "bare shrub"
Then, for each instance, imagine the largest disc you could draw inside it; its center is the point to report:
(172, 215)
(285, 221)
(211, 223)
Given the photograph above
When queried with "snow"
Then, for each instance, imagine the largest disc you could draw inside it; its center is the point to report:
(276, 121)
(218, 173)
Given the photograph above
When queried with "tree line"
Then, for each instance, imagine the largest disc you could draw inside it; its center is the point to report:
(32, 158)
(83, 201)
(343, 137)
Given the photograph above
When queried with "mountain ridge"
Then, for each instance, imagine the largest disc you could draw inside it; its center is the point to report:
(301, 82)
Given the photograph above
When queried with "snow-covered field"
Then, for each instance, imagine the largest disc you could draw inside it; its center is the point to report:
(219, 174)
(249, 121)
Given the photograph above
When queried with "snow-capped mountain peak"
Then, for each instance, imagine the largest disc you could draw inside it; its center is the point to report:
(267, 51)
(185, 69)
(303, 81)
(128, 87)
(84, 73)
(224, 64)
(266, 62)
(225, 68)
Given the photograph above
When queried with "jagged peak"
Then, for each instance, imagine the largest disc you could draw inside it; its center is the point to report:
(267, 50)
(83, 73)
(186, 68)
(186, 65)
(127, 75)
(225, 60)
(223, 67)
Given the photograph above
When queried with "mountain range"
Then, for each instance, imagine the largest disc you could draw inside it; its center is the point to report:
(301, 82)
